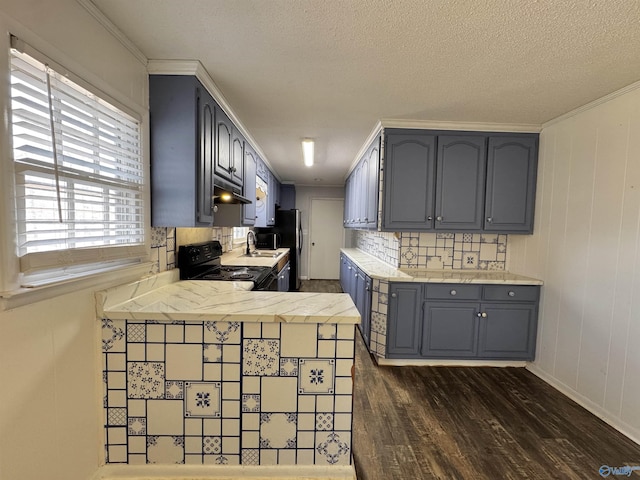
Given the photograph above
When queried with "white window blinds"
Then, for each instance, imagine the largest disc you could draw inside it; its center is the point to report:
(78, 171)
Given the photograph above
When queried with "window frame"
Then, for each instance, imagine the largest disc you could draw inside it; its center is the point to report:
(64, 278)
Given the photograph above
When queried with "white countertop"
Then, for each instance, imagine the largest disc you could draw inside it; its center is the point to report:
(267, 258)
(377, 269)
(163, 298)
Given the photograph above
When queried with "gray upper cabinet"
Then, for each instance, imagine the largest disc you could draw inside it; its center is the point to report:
(224, 135)
(460, 180)
(249, 186)
(409, 180)
(237, 157)
(361, 190)
(182, 116)
(511, 183)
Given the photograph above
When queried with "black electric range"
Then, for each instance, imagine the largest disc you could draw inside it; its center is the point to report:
(201, 261)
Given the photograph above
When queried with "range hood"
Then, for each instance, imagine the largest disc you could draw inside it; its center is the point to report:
(224, 193)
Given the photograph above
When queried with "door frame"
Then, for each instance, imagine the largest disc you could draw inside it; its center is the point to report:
(311, 200)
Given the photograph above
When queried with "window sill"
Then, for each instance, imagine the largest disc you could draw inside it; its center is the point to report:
(115, 276)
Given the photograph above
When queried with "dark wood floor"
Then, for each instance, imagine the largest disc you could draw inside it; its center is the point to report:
(475, 423)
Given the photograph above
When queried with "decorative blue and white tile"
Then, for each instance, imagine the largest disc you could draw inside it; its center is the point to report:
(117, 416)
(261, 357)
(316, 376)
(326, 331)
(470, 260)
(165, 449)
(145, 380)
(112, 336)
(333, 448)
(137, 426)
(174, 390)
(288, 367)
(212, 353)
(212, 445)
(250, 456)
(158, 236)
(222, 332)
(324, 421)
(251, 403)
(202, 399)
(136, 332)
(278, 430)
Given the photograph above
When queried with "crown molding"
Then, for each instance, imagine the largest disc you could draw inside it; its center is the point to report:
(462, 126)
(374, 133)
(593, 104)
(194, 67)
(96, 13)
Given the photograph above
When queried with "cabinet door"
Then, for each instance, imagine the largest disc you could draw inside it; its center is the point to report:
(224, 134)
(450, 329)
(409, 181)
(508, 331)
(365, 325)
(206, 118)
(343, 273)
(362, 170)
(511, 183)
(347, 202)
(460, 167)
(249, 186)
(372, 185)
(237, 158)
(271, 203)
(404, 320)
(283, 278)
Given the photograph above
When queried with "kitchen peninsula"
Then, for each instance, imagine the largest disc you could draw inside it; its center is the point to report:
(212, 373)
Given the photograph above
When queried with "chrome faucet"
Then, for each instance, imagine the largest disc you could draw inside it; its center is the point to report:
(250, 233)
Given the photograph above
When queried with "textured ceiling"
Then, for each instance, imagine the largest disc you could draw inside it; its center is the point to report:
(330, 69)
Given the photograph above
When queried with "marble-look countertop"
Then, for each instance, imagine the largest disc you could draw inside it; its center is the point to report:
(267, 258)
(377, 269)
(194, 300)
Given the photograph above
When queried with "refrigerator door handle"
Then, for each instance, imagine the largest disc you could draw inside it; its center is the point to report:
(300, 239)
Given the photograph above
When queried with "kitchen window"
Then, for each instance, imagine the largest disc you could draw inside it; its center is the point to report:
(79, 176)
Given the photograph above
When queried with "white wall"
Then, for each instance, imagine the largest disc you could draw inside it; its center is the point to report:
(585, 247)
(304, 194)
(50, 395)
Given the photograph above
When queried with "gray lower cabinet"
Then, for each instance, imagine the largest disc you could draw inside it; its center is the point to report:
(449, 330)
(403, 320)
(462, 321)
(358, 285)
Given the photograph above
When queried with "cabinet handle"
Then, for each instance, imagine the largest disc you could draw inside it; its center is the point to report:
(429, 218)
(349, 268)
(393, 295)
(366, 219)
(288, 268)
(439, 218)
(356, 275)
(484, 315)
(367, 289)
(489, 219)
(512, 293)
(453, 292)
(478, 314)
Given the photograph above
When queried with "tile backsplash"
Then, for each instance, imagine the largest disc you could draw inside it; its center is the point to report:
(436, 251)
(165, 242)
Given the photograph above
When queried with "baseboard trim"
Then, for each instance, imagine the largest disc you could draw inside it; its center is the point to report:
(584, 402)
(420, 362)
(224, 472)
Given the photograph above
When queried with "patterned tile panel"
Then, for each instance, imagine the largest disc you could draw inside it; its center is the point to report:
(211, 393)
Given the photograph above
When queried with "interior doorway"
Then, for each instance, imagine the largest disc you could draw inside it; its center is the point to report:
(326, 237)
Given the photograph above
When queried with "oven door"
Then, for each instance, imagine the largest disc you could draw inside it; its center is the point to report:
(270, 282)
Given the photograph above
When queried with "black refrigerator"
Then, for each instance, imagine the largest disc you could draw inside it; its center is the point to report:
(289, 227)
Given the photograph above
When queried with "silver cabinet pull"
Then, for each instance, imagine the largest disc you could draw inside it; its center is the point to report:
(393, 295)
(453, 292)
(489, 219)
(439, 218)
(484, 314)
(512, 293)
(429, 218)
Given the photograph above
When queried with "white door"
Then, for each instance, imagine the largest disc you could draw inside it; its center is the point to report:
(326, 237)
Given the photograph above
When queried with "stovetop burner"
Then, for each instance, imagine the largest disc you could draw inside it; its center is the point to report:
(202, 262)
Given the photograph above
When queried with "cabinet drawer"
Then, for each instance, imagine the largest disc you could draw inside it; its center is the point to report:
(516, 293)
(453, 291)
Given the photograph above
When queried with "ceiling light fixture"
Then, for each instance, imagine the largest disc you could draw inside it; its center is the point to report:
(307, 152)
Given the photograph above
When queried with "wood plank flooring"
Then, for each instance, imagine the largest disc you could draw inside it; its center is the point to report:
(475, 423)
(423, 423)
